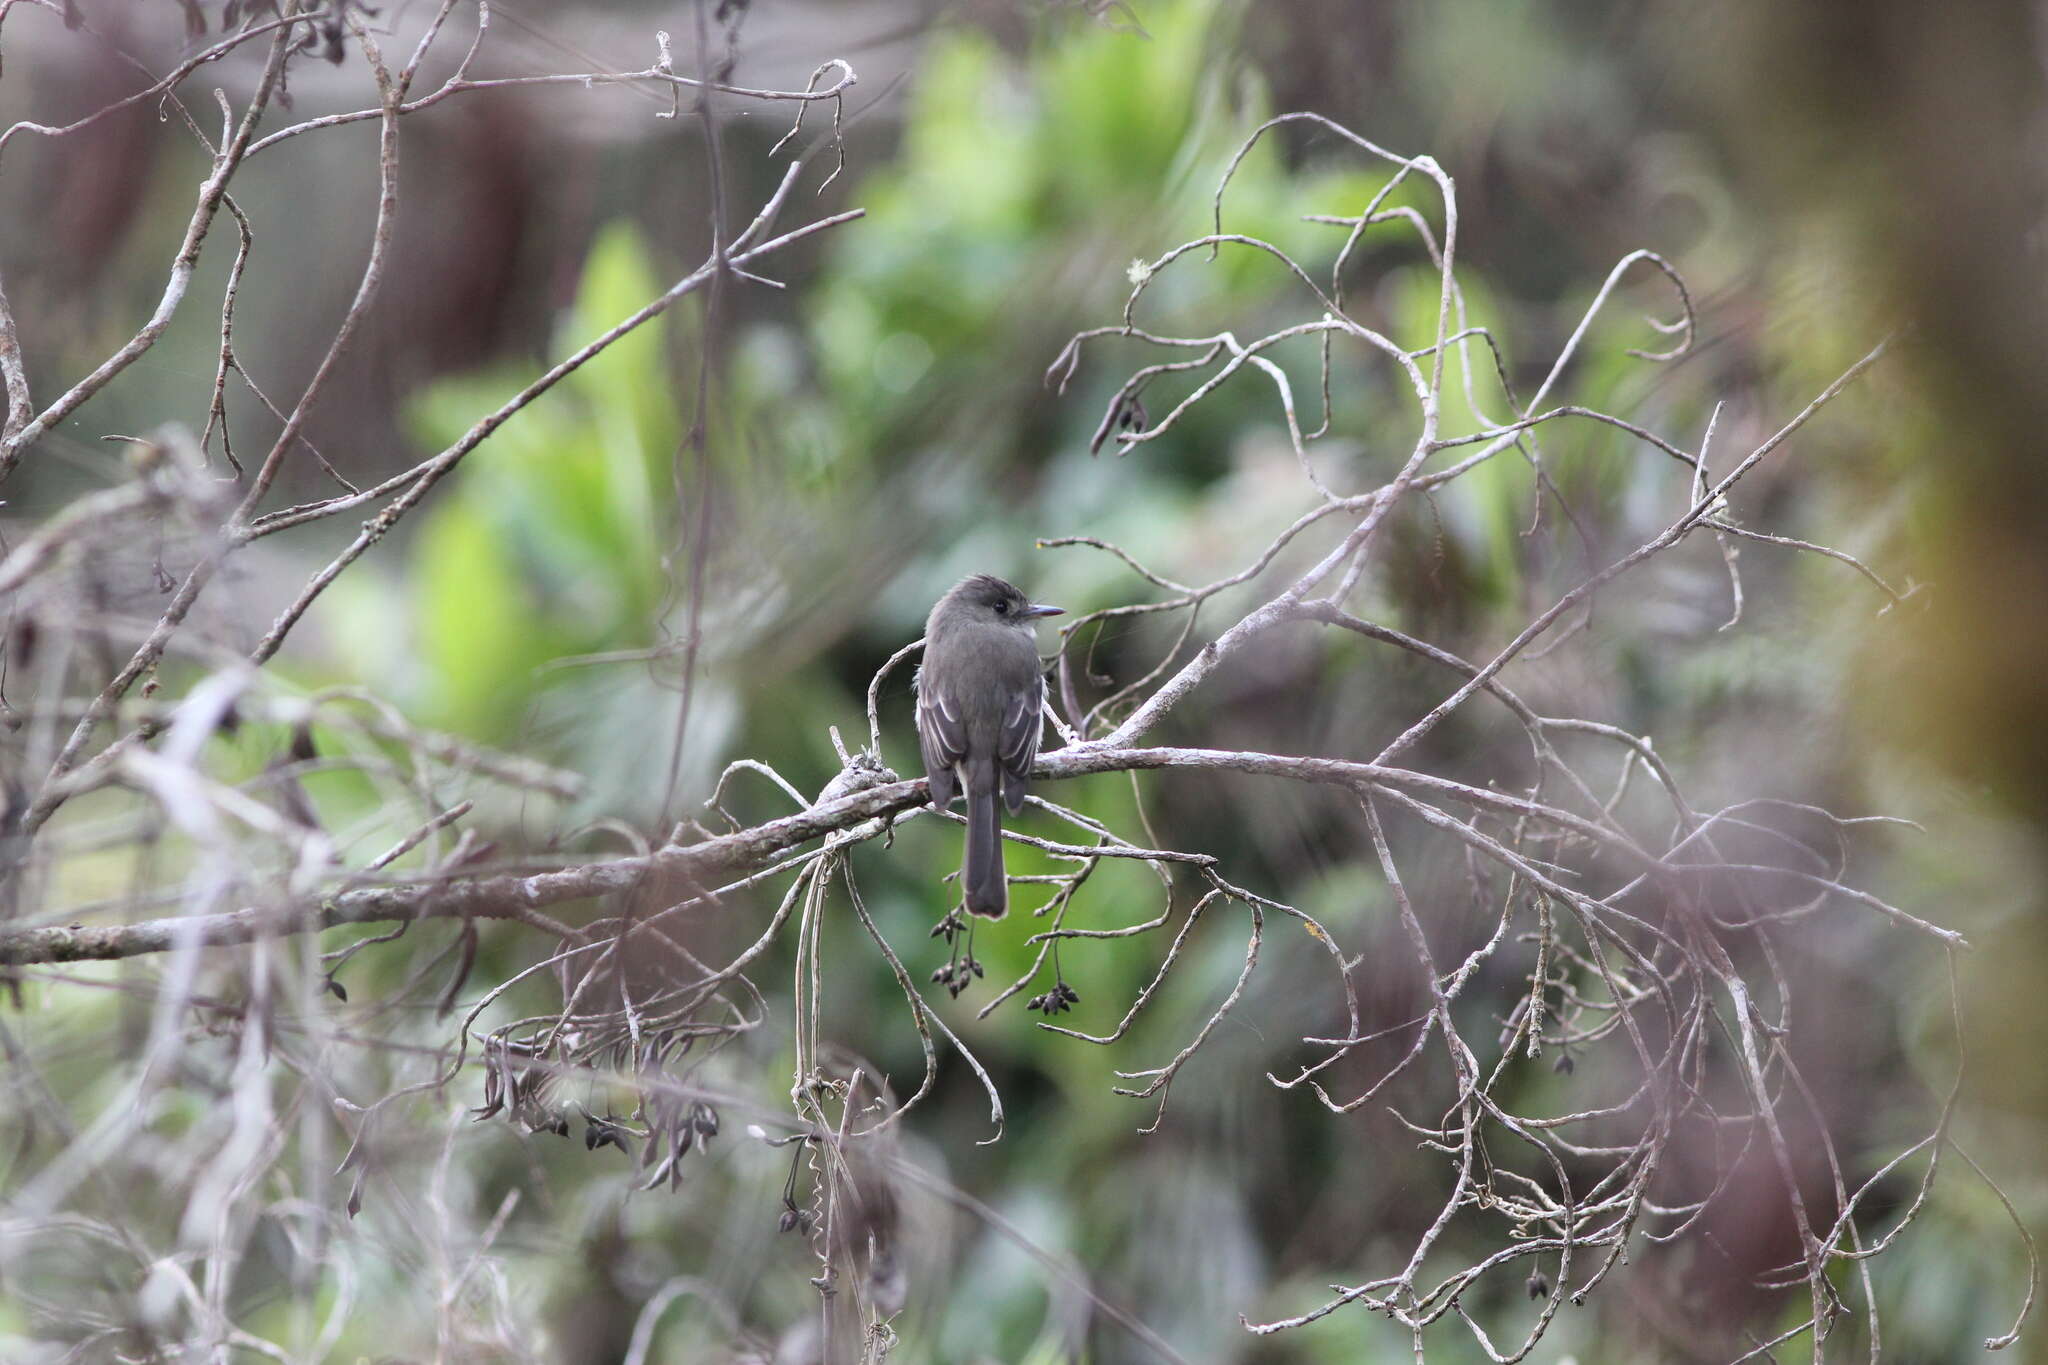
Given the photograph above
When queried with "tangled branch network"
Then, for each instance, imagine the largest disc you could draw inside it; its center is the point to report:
(1639, 925)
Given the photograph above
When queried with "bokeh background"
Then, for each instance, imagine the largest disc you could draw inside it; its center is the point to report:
(1823, 175)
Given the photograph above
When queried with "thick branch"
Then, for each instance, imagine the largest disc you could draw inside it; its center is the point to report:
(509, 895)
(495, 897)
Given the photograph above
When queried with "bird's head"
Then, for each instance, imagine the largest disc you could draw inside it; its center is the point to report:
(984, 599)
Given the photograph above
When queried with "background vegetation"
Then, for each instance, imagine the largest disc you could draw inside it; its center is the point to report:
(753, 504)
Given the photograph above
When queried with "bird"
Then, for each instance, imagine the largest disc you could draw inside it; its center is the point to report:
(980, 705)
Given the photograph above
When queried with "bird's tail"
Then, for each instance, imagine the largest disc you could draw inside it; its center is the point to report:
(981, 876)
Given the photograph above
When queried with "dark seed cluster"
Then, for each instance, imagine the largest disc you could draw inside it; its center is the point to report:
(1058, 1000)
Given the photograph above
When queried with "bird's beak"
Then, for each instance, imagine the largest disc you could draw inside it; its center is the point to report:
(1037, 609)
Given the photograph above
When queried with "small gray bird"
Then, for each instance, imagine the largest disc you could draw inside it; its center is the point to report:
(980, 695)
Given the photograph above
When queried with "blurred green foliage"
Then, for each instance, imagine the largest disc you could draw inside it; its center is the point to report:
(889, 432)
(553, 544)
(887, 429)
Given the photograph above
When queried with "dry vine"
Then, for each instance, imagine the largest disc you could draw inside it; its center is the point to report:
(1644, 935)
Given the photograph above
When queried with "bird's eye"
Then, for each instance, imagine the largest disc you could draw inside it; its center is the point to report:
(1002, 607)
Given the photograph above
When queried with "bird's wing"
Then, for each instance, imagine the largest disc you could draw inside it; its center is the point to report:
(1017, 745)
(940, 738)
